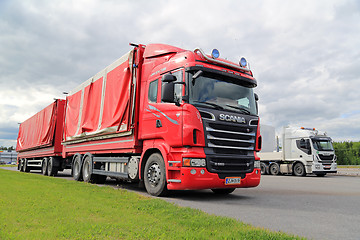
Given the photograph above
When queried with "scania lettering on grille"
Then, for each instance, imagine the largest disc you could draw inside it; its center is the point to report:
(231, 118)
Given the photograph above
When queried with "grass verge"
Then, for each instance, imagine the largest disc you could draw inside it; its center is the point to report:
(37, 207)
(348, 166)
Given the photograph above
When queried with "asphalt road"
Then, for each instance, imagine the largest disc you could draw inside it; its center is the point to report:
(313, 207)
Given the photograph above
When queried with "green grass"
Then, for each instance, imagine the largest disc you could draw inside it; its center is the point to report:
(37, 207)
(348, 166)
(8, 165)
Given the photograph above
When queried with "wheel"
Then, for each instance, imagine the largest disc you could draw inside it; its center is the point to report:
(51, 169)
(320, 174)
(25, 166)
(44, 166)
(87, 170)
(154, 175)
(223, 191)
(299, 169)
(274, 169)
(76, 168)
(21, 165)
(263, 168)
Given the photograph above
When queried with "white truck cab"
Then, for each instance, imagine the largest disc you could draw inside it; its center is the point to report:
(304, 151)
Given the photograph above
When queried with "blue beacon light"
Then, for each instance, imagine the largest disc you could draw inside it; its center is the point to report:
(215, 53)
(243, 62)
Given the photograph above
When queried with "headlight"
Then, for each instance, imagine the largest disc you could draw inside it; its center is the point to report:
(194, 162)
(257, 164)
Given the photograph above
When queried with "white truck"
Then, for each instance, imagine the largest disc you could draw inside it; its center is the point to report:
(303, 151)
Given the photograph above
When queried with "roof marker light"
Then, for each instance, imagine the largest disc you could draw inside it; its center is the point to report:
(243, 62)
(215, 53)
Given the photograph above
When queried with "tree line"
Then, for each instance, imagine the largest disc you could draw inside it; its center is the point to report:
(7, 148)
(348, 153)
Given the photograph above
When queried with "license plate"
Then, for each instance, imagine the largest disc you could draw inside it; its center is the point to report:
(232, 180)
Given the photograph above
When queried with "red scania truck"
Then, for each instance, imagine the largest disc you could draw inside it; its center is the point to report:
(171, 118)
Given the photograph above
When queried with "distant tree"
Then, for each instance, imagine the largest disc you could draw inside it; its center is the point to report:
(348, 153)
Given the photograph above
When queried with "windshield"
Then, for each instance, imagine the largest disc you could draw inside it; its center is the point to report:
(322, 145)
(220, 92)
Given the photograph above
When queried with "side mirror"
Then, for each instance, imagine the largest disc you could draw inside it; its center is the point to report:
(256, 97)
(167, 78)
(168, 92)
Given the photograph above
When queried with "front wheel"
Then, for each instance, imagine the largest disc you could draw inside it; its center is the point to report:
(223, 191)
(155, 176)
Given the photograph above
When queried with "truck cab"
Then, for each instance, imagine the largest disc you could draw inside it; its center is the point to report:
(304, 151)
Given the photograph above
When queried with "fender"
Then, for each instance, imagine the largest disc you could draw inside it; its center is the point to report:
(150, 146)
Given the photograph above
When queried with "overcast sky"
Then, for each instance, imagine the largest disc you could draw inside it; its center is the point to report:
(304, 54)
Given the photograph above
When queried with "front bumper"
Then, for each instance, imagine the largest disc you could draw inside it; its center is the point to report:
(189, 178)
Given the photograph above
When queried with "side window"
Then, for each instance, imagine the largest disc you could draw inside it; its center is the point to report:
(153, 90)
(304, 145)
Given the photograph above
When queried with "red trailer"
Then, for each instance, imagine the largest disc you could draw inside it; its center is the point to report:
(172, 118)
(39, 140)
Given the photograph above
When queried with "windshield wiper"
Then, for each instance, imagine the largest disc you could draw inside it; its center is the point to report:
(218, 107)
(239, 108)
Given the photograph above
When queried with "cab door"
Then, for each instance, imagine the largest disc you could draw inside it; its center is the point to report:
(163, 120)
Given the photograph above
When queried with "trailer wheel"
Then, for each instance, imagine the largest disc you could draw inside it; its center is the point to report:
(25, 166)
(51, 169)
(21, 165)
(76, 168)
(87, 170)
(154, 175)
(44, 166)
(274, 169)
(223, 191)
(263, 168)
(299, 169)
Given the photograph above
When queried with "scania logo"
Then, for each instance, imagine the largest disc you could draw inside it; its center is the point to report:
(231, 118)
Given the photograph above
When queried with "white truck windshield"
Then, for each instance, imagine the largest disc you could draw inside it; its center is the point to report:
(322, 145)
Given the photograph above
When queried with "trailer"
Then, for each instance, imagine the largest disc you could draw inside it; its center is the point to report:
(303, 151)
(39, 141)
(170, 118)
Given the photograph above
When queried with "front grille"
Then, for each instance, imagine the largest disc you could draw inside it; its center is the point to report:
(226, 136)
(326, 157)
(229, 146)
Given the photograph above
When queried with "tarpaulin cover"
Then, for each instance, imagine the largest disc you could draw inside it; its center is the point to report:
(38, 131)
(98, 105)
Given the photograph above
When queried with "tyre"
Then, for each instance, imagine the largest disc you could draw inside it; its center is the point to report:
(51, 167)
(25, 166)
(155, 176)
(223, 191)
(76, 168)
(299, 169)
(44, 166)
(87, 170)
(263, 168)
(274, 169)
(21, 165)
